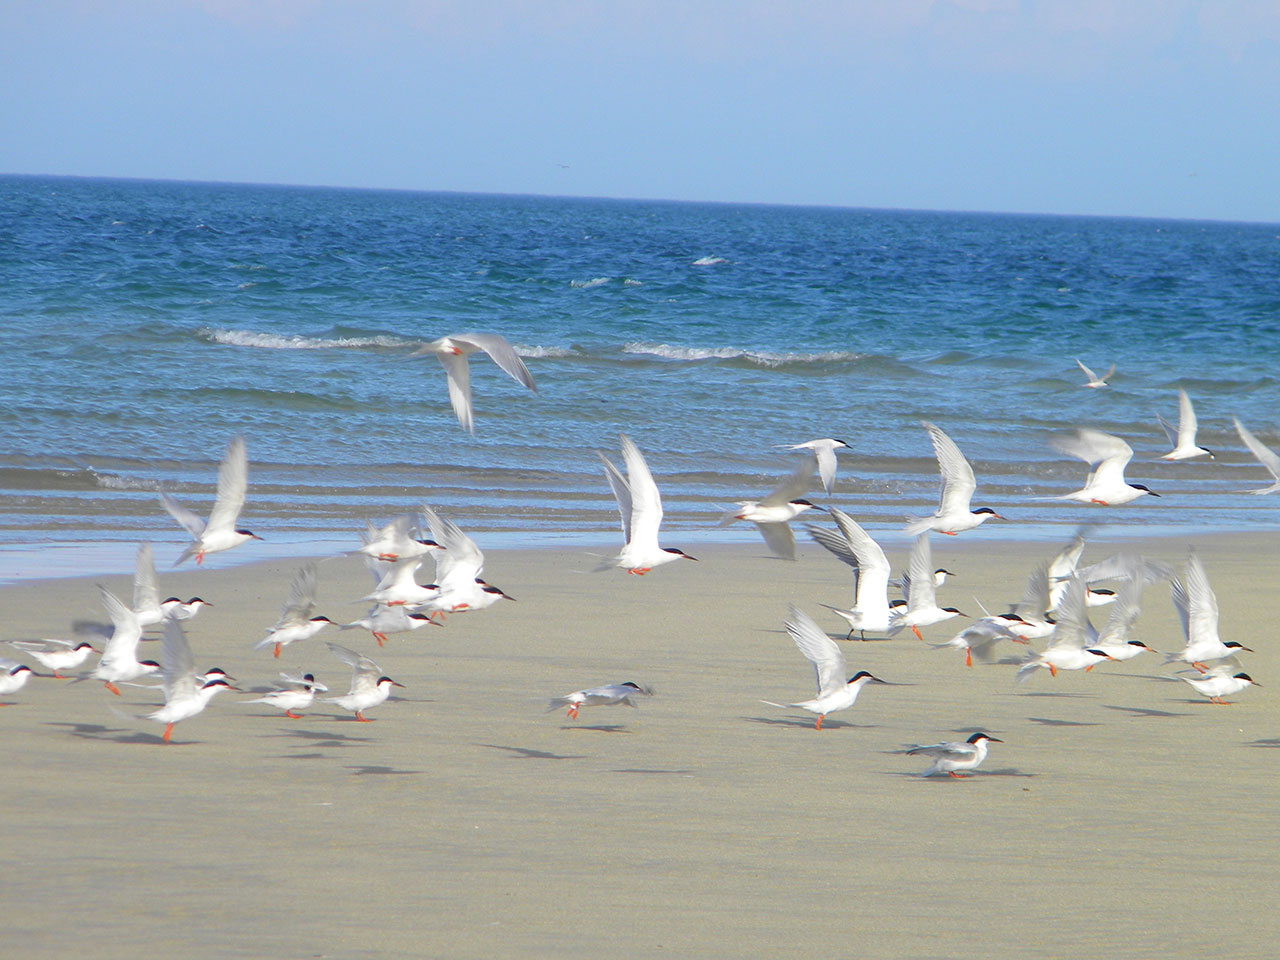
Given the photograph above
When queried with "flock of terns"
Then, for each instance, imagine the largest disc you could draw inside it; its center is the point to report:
(1054, 607)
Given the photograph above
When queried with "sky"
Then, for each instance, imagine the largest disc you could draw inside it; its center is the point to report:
(1163, 108)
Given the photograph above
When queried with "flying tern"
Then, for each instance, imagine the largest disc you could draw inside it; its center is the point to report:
(953, 515)
(298, 693)
(146, 593)
(772, 516)
(1107, 457)
(368, 687)
(855, 547)
(297, 622)
(383, 620)
(824, 452)
(950, 758)
(1070, 646)
(922, 608)
(459, 563)
(640, 506)
(395, 541)
(1197, 608)
(119, 662)
(56, 655)
(1183, 438)
(834, 691)
(1095, 381)
(220, 532)
(454, 351)
(185, 692)
(1265, 455)
(607, 696)
(980, 638)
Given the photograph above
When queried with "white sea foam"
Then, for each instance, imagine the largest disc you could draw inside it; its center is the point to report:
(763, 358)
(588, 284)
(276, 341)
(524, 351)
(709, 261)
(632, 283)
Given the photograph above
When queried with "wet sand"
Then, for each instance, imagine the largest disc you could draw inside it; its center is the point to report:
(1124, 816)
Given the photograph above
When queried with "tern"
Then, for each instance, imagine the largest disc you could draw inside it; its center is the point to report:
(1184, 438)
(1070, 646)
(958, 484)
(119, 662)
(854, 546)
(398, 587)
(773, 515)
(383, 620)
(175, 608)
(922, 608)
(221, 532)
(459, 564)
(13, 676)
(394, 541)
(185, 692)
(454, 351)
(607, 696)
(981, 636)
(1095, 381)
(1197, 608)
(1030, 618)
(640, 506)
(56, 655)
(824, 452)
(1113, 639)
(949, 758)
(146, 593)
(1219, 683)
(296, 620)
(368, 687)
(1265, 455)
(834, 692)
(1107, 456)
(297, 694)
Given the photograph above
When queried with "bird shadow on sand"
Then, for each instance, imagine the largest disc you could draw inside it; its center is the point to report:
(1142, 711)
(969, 775)
(596, 727)
(1272, 742)
(650, 770)
(1050, 722)
(525, 753)
(807, 724)
(96, 731)
(325, 738)
(1053, 694)
(364, 770)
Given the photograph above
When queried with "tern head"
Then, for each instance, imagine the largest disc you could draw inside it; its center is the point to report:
(218, 685)
(248, 533)
(214, 673)
(806, 505)
(678, 552)
(986, 512)
(1137, 643)
(1099, 653)
(1247, 678)
(151, 664)
(495, 592)
(197, 602)
(320, 620)
(632, 685)
(84, 645)
(862, 676)
(1145, 489)
(958, 613)
(422, 617)
(979, 737)
(382, 680)
(1012, 616)
(1237, 646)
(839, 443)
(21, 670)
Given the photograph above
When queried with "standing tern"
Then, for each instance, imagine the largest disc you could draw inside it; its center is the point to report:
(834, 692)
(56, 655)
(221, 532)
(922, 608)
(607, 696)
(1095, 381)
(368, 687)
(824, 452)
(854, 546)
(1219, 683)
(1197, 608)
(640, 506)
(119, 662)
(773, 514)
(953, 515)
(185, 692)
(298, 693)
(1184, 438)
(296, 619)
(453, 352)
(1107, 456)
(949, 758)
(1265, 455)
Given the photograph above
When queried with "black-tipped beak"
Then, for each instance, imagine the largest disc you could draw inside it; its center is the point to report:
(400, 685)
(507, 596)
(687, 557)
(1152, 493)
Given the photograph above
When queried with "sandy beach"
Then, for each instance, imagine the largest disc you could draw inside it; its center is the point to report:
(1123, 816)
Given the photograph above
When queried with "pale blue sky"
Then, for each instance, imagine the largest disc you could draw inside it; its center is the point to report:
(1142, 107)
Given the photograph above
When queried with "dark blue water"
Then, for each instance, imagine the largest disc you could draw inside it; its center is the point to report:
(143, 323)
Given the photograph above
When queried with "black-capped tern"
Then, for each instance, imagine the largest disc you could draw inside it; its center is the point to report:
(1107, 457)
(824, 453)
(297, 622)
(1218, 683)
(1183, 438)
(854, 546)
(1197, 607)
(13, 677)
(611, 695)
(951, 758)
(1095, 381)
(953, 515)
(186, 693)
(368, 687)
(119, 662)
(453, 353)
(298, 693)
(56, 655)
(773, 514)
(220, 532)
(640, 506)
(922, 608)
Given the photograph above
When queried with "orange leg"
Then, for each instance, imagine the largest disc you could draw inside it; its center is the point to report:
(1101, 503)
(573, 712)
(968, 657)
(949, 533)
(292, 716)
(916, 631)
(818, 725)
(199, 558)
(112, 687)
(380, 637)
(1089, 667)
(1053, 671)
(958, 776)
(167, 730)
(640, 571)
(1201, 667)
(277, 651)
(361, 717)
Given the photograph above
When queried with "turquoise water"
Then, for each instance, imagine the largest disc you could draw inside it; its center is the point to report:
(142, 323)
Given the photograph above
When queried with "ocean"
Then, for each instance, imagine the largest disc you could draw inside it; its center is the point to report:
(142, 324)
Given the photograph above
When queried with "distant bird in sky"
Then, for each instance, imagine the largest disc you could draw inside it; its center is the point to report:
(640, 506)
(221, 532)
(953, 515)
(1184, 437)
(454, 352)
(1095, 381)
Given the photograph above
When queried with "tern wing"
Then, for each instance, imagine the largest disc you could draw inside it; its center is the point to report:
(124, 638)
(948, 751)
(621, 493)
(1124, 612)
(958, 482)
(1264, 454)
(1035, 599)
(146, 593)
(364, 672)
(873, 566)
(458, 379)
(826, 460)
(1169, 430)
(1187, 423)
(233, 481)
(918, 584)
(1202, 605)
(791, 488)
(500, 352)
(646, 502)
(178, 663)
(193, 524)
(1093, 377)
(1072, 628)
(819, 649)
(462, 561)
(779, 538)
(302, 596)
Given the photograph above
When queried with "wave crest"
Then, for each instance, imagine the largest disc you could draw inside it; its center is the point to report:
(277, 341)
(760, 357)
